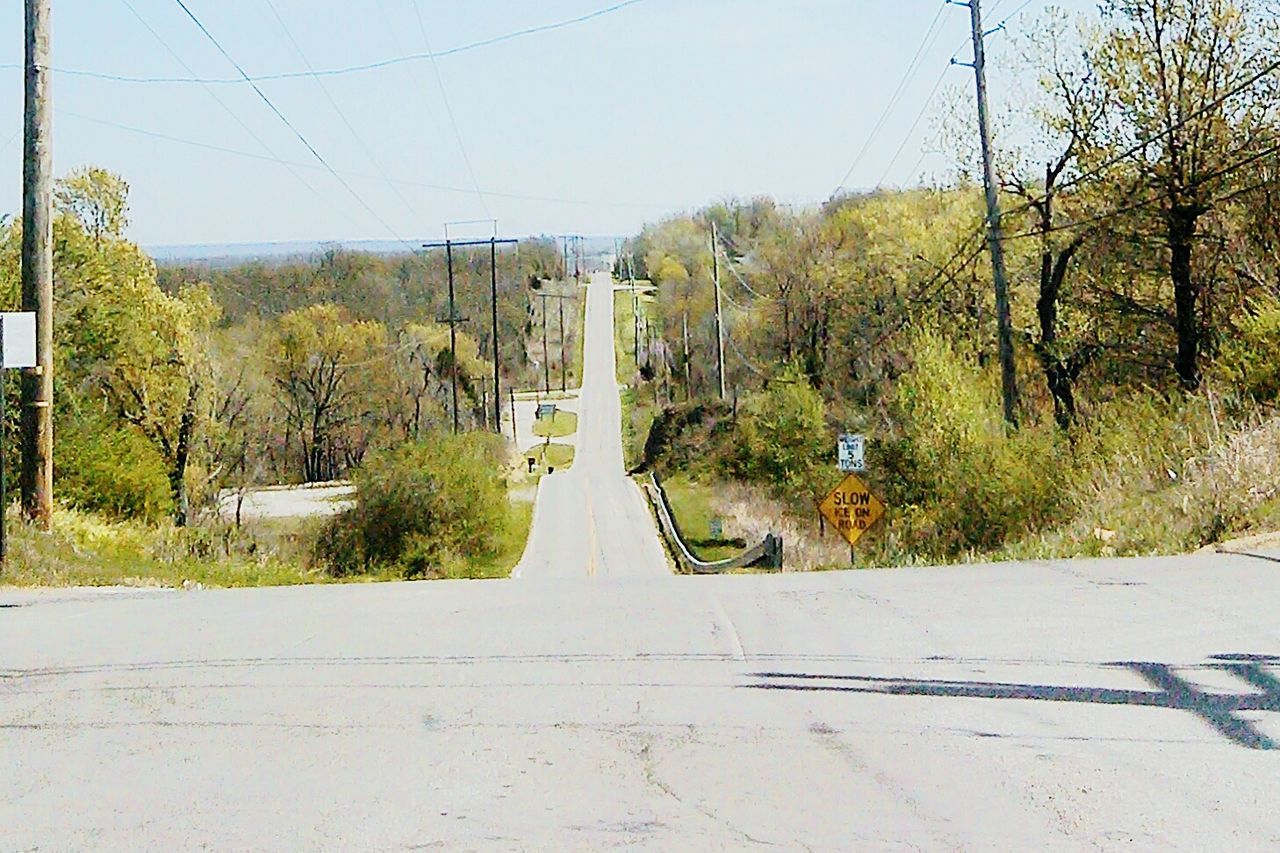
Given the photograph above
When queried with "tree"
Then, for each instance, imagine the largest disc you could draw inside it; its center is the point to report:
(120, 334)
(1188, 101)
(318, 359)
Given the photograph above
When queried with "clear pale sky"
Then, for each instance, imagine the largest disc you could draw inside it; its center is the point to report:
(595, 128)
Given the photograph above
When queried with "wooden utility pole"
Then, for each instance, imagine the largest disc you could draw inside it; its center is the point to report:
(715, 274)
(564, 365)
(453, 320)
(546, 359)
(688, 371)
(36, 479)
(497, 353)
(995, 235)
(453, 337)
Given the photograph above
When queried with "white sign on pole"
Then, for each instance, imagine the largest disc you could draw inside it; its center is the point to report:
(851, 451)
(19, 339)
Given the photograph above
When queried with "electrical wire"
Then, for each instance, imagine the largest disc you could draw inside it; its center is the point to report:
(239, 152)
(355, 134)
(352, 69)
(223, 104)
(453, 121)
(287, 123)
(912, 67)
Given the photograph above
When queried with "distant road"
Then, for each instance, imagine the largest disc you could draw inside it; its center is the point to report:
(592, 521)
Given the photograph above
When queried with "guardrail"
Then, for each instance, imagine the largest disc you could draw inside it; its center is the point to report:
(767, 554)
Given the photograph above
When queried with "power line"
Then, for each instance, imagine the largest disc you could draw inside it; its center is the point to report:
(221, 103)
(422, 27)
(285, 120)
(239, 152)
(373, 158)
(912, 67)
(352, 69)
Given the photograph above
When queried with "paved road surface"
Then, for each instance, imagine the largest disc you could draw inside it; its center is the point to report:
(1055, 706)
(1041, 706)
(592, 520)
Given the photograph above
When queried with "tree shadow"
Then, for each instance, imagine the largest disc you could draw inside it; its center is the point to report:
(1171, 691)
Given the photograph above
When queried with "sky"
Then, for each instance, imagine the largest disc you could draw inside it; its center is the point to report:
(595, 128)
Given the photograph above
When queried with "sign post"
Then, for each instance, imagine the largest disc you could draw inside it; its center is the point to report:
(17, 350)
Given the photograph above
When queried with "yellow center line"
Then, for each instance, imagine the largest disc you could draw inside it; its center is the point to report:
(591, 530)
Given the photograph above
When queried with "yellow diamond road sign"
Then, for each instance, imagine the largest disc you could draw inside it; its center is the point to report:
(851, 508)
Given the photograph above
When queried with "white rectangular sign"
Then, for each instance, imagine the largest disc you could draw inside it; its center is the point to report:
(851, 451)
(19, 339)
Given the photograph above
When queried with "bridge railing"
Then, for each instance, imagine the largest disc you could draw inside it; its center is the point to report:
(768, 554)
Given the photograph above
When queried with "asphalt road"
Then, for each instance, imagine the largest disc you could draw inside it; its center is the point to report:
(592, 521)
(1046, 706)
(1057, 706)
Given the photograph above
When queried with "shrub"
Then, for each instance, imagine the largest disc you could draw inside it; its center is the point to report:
(1248, 358)
(421, 507)
(782, 437)
(110, 469)
(960, 482)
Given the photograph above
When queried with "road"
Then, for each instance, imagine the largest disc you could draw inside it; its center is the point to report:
(1050, 705)
(965, 708)
(592, 521)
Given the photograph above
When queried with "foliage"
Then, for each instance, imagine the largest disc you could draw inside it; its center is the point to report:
(103, 467)
(1248, 362)
(421, 507)
(959, 481)
(782, 437)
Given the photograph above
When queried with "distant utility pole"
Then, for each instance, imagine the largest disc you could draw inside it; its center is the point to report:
(453, 319)
(715, 274)
(564, 368)
(995, 234)
(36, 478)
(546, 360)
(635, 311)
(453, 336)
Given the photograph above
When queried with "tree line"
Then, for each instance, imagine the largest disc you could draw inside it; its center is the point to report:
(1139, 183)
(177, 383)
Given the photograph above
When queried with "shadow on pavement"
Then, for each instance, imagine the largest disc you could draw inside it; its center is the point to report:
(1172, 691)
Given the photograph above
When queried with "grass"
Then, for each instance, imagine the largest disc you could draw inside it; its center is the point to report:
(625, 335)
(564, 423)
(87, 550)
(694, 504)
(558, 456)
(511, 545)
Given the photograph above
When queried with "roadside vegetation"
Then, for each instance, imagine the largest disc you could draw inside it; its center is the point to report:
(178, 386)
(1144, 257)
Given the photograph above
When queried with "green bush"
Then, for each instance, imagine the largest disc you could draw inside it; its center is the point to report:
(958, 480)
(420, 508)
(107, 468)
(782, 438)
(1248, 360)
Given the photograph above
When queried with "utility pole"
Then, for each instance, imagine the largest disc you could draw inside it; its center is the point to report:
(564, 365)
(688, 372)
(453, 336)
(635, 312)
(453, 319)
(36, 479)
(715, 274)
(497, 360)
(995, 235)
(546, 360)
